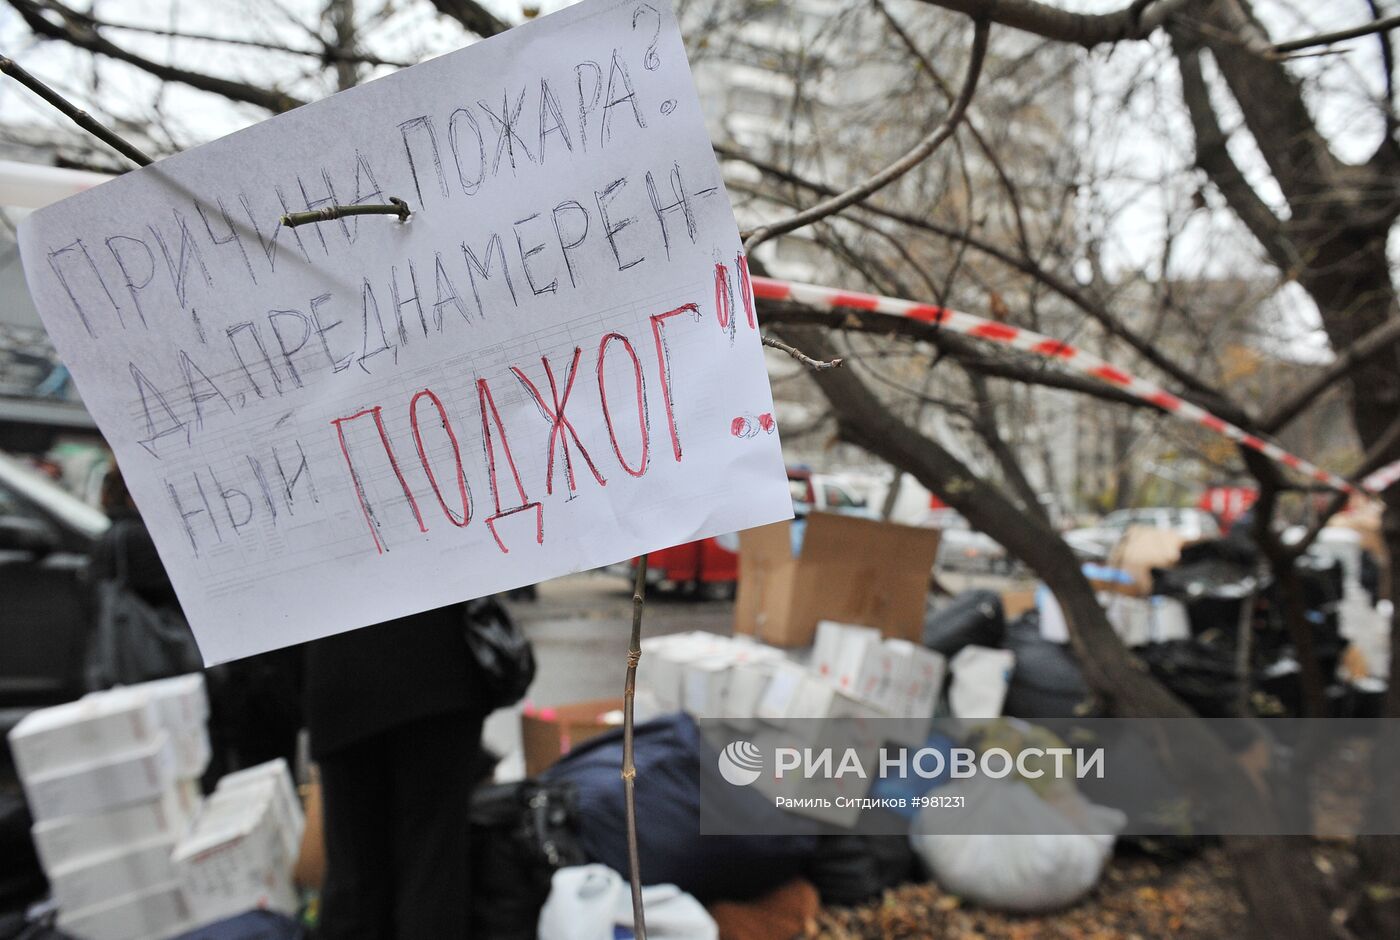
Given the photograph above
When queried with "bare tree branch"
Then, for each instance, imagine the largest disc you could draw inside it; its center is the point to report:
(1341, 35)
(920, 152)
(1213, 156)
(76, 32)
(1372, 344)
(473, 16)
(79, 117)
(1028, 266)
(1135, 21)
(816, 365)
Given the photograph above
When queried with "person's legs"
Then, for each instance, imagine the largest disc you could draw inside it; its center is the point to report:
(358, 897)
(433, 774)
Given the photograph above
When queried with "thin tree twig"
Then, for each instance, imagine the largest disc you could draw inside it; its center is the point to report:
(396, 207)
(1341, 35)
(921, 151)
(816, 365)
(629, 767)
(77, 115)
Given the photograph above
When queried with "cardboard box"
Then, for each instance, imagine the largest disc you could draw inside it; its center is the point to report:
(72, 838)
(1141, 549)
(97, 879)
(549, 733)
(1017, 602)
(78, 733)
(850, 570)
(136, 776)
(155, 913)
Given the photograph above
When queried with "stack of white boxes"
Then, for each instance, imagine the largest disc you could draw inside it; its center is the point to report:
(241, 850)
(858, 690)
(111, 781)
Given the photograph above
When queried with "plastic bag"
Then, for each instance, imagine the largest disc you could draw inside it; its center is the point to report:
(1026, 873)
(589, 902)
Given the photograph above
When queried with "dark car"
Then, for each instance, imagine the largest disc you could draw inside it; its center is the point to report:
(46, 537)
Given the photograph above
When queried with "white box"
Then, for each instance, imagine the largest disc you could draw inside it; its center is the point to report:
(97, 879)
(81, 732)
(703, 685)
(1169, 620)
(291, 819)
(836, 645)
(70, 838)
(883, 679)
(155, 913)
(981, 676)
(192, 752)
(664, 659)
(139, 775)
(1130, 617)
(181, 701)
(917, 699)
(234, 862)
(778, 699)
(747, 682)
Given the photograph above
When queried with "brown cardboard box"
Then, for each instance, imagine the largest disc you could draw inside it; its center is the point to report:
(850, 570)
(1017, 602)
(549, 733)
(1141, 549)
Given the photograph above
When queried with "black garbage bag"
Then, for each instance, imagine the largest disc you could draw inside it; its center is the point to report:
(521, 834)
(1202, 676)
(1047, 686)
(973, 618)
(22, 880)
(848, 870)
(669, 751)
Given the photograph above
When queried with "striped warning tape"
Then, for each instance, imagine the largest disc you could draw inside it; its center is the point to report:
(1071, 357)
(1383, 479)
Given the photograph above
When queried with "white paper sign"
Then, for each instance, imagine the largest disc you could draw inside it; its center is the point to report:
(553, 365)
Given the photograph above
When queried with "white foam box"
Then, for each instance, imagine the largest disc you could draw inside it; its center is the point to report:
(703, 685)
(664, 660)
(81, 732)
(747, 682)
(96, 879)
(236, 800)
(236, 861)
(288, 806)
(1169, 620)
(981, 676)
(154, 913)
(192, 752)
(135, 776)
(835, 643)
(71, 838)
(1131, 617)
(883, 678)
(780, 695)
(181, 701)
(917, 701)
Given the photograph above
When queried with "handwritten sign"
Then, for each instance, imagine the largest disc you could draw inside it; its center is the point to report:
(551, 366)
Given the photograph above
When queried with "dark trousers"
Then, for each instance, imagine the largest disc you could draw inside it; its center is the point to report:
(396, 822)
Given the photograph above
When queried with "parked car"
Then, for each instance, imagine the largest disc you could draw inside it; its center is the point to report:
(822, 492)
(963, 548)
(1095, 542)
(46, 538)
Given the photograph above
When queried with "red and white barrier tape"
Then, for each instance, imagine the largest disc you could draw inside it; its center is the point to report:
(1383, 479)
(1071, 357)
